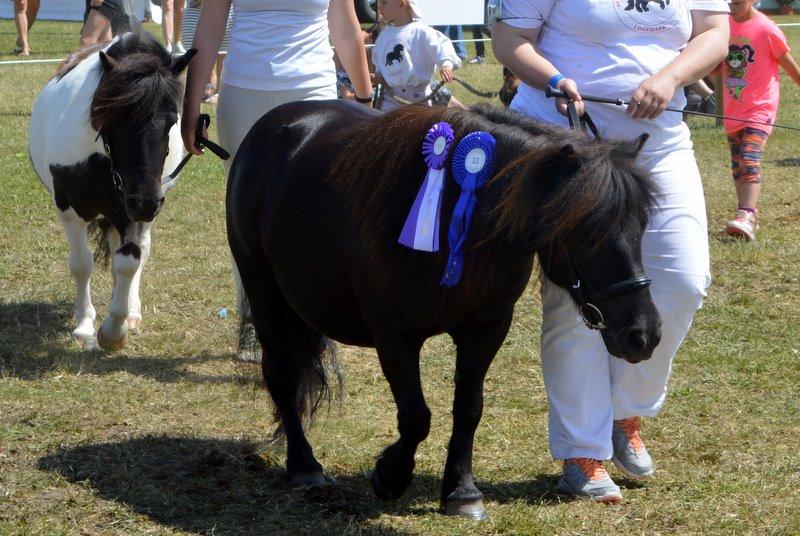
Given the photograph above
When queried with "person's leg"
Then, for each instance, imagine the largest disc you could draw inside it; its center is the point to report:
(21, 22)
(457, 36)
(167, 14)
(675, 256)
(576, 377)
(178, 24)
(96, 29)
(237, 110)
(747, 147)
(480, 47)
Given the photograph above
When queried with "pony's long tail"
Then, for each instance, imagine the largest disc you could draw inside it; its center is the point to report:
(309, 360)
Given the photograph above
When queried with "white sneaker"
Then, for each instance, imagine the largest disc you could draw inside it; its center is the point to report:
(168, 46)
(179, 48)
(743, 226)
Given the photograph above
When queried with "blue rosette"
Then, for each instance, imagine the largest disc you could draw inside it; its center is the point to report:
(473, 162)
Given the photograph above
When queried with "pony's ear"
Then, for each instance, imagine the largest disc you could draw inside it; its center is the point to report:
(179, 64)
(107, 62)
(639, 142)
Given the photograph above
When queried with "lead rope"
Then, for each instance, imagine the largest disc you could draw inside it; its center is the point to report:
(551, 92)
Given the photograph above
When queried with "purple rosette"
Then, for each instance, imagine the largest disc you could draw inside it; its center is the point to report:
(436, 145)
(421, 229)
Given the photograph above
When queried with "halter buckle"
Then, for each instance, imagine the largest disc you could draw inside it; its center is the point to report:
(592, 316)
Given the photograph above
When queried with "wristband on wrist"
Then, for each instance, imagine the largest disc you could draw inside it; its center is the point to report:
(362, 100)
(555, 79)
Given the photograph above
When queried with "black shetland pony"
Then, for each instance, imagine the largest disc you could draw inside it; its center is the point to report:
(103, 134)
(316, 200)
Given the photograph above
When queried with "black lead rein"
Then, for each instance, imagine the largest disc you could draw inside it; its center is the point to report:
(199, 141)
(551, 92)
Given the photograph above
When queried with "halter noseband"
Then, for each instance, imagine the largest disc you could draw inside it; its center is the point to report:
(200, 141)
(582, 290)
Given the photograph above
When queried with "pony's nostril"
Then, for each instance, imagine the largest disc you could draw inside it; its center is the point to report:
(637, 340)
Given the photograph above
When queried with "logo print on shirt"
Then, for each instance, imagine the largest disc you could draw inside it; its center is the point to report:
(397, 59)
(650, 16)
(736, 62)
(641, 5)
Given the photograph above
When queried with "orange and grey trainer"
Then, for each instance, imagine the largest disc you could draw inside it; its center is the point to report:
(585, 477)
(630, 454)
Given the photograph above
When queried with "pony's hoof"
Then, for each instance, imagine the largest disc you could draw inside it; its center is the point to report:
(247, 355)
(306, 479)
(85, 341)
(470, 509)
(134, 322)
(384, 493)
(111, 345)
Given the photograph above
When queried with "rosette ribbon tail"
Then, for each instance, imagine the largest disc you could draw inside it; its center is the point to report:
(421, 229)
(457, 235)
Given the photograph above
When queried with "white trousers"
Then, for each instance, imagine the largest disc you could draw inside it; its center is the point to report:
(587, 388)
(238, 109)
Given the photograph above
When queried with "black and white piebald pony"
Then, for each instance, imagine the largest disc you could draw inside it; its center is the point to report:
(103, 133)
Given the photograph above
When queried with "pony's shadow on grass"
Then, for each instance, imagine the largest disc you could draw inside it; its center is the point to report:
(224, 487)
(787, 162)
(32, 344)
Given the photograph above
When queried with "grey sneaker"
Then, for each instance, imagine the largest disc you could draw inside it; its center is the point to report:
(630, 454)
(585, 477)
(248, 348)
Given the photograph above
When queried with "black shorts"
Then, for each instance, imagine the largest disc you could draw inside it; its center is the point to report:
(116, 11)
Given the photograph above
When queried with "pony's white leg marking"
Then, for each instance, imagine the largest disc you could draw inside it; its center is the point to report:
(134, 303)
(113, 334)
(81, 264)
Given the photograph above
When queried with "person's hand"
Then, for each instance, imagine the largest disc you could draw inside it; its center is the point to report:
(447, 74)
(96, 3)
(568, 86)
(188, 126)
(651, 97)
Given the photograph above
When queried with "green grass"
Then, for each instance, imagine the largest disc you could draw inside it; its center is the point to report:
(170, 437)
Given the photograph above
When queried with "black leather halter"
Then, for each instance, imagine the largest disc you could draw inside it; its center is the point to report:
(583, 292)
(200, 141)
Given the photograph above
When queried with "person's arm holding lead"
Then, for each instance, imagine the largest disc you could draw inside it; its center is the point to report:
(207, 40)
(346, 36)
(515, 48)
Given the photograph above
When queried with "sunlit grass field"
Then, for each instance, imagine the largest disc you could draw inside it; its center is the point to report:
(171, 436)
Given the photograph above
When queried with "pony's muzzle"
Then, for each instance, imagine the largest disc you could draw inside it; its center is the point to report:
(143, 208)
(637, 343)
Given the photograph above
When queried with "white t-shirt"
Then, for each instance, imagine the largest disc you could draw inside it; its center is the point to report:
(279, 45)
(609, 47)
(408, 55)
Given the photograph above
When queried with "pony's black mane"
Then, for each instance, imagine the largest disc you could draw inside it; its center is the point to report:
(139, 84)
(581, 188)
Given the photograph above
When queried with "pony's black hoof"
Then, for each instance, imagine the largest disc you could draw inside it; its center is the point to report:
(306, 479)
(384, 493)
(470, 509)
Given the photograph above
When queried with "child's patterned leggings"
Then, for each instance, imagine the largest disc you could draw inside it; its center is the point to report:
(747, 148)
